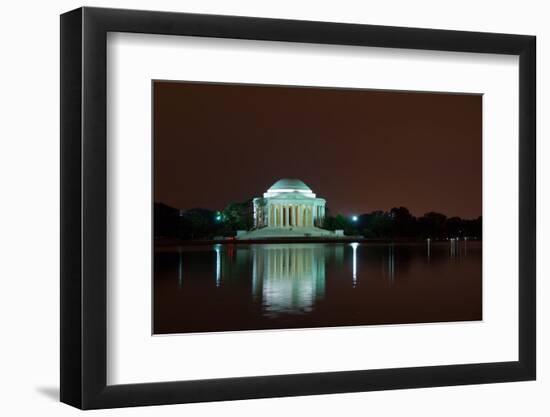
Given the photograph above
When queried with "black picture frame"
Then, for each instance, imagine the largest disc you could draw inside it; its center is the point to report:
(84, 207)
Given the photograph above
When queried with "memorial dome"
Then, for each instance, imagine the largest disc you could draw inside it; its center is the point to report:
(289, 185)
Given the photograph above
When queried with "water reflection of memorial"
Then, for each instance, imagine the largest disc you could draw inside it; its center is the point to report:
(243, 286)
(288, 279)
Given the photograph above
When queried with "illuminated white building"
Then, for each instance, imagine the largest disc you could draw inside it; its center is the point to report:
(288, 209)
(289, 203)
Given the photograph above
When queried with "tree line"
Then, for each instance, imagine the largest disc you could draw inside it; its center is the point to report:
(400, 223)
(201, 223)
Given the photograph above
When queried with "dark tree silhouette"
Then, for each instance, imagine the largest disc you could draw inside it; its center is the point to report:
(238, 216)
(200, 223)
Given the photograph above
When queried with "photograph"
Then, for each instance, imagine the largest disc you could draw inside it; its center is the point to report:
(286, 207)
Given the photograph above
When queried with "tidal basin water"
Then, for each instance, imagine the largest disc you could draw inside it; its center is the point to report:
(228, 287)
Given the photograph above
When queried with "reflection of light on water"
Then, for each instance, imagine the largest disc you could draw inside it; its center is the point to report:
(391, 263)
(288, 278)
(354, 247)
(429, 243)
(254, 271)
(217, 248)
(454, 247)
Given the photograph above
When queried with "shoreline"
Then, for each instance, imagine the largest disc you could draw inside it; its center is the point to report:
(168, 242)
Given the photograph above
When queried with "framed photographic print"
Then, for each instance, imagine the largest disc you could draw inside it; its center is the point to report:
(258, 207)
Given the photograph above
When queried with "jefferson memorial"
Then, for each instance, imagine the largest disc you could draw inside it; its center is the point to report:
(289, 208)
(288, 203)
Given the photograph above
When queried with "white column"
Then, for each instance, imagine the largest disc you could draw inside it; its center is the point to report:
(290, 216)
(286, 216)
(288, 219)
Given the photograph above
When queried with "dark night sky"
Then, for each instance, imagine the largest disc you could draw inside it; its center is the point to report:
(361, 150)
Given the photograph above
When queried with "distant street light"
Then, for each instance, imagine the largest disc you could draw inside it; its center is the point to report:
(354, 218)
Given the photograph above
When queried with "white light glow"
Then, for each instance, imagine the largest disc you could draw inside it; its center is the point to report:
(354, 247)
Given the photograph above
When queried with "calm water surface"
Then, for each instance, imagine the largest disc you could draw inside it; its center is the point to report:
(297, 285)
